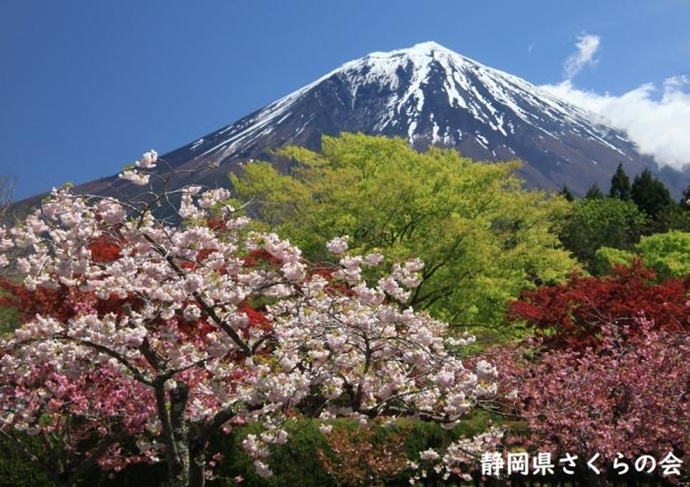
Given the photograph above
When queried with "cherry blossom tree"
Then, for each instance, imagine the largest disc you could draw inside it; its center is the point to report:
(608, 376)
(178, 330)
(627, 398)
(606, 373)
(68, 423)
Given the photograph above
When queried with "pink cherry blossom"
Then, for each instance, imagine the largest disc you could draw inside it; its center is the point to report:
(175, 332)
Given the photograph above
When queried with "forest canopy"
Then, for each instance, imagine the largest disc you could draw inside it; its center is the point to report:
(482, 236)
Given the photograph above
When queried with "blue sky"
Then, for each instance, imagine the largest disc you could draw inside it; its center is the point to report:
(88, 86)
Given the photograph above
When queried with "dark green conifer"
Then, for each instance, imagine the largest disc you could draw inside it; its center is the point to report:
(594, 192)
(685, 200)
(620, 184)
(566, 193)
(650, 194)
(652, 197)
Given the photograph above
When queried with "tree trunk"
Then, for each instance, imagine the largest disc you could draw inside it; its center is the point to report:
(175, 433)
(197, 477)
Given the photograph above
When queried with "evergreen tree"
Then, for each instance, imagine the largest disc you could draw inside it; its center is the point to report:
(620, 184)
(601, 222)
(566, 193)
(652, 197)
(594, 192)
(680, 217)
(685, 199)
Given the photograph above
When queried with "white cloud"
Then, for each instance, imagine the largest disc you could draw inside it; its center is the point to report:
(587, 46)
(657, 121)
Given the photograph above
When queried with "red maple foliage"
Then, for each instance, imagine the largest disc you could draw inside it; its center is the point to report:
(571, 315)
(363, 457)
(61, 302)
(105, 250)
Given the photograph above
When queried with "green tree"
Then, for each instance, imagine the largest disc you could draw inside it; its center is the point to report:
(667, 253)
(482, 237)
(620, 184)
(680, 218)
(601, 222)
(652, 196)
(594, 193)
(606, 259)
(566, 193)
(685, 200)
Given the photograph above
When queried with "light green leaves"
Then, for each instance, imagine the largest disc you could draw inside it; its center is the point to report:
(482, 237)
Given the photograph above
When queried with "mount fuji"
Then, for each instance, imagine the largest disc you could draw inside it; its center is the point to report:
(428, 95)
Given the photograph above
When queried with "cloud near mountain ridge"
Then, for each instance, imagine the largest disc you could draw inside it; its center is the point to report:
(656, 120)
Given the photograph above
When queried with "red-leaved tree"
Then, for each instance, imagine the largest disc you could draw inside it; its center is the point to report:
(572, 314)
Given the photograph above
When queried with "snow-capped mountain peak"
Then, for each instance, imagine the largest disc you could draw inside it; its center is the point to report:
(490, 96)
(429, 94)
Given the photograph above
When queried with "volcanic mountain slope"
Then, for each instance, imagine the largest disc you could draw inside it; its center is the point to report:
(428, 95)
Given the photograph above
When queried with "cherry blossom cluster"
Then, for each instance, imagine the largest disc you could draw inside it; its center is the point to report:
(216, 325)
(621, 400)
(461, 457)
(135, 175)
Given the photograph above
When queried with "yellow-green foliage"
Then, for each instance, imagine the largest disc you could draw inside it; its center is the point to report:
(482, 237)
(606, 258)
(667, 253)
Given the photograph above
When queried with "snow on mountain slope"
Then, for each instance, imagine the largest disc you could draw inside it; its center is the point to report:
(429, 95)
(490, 96)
